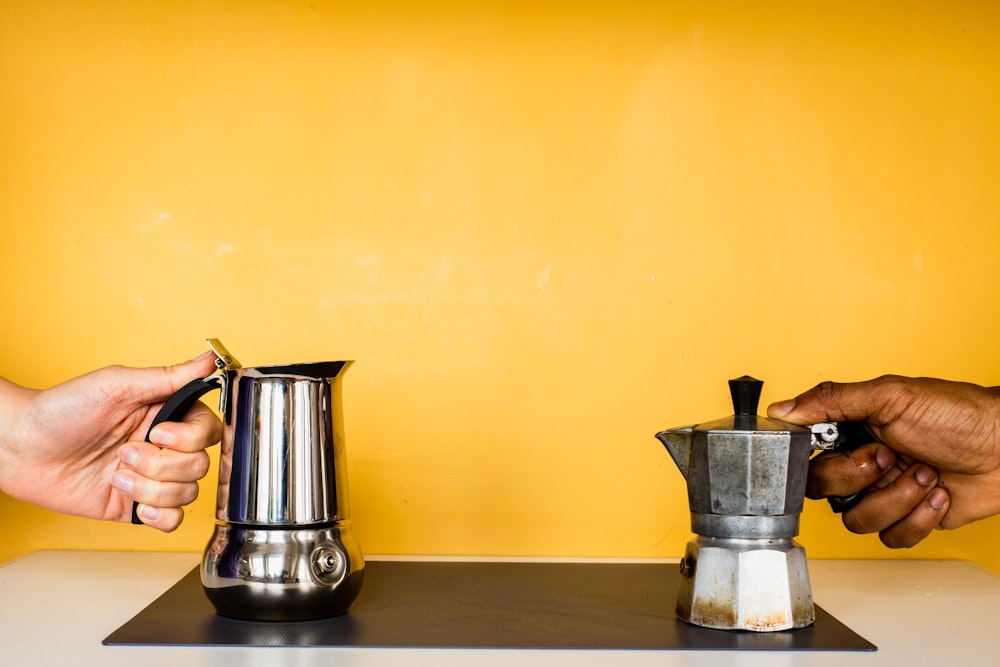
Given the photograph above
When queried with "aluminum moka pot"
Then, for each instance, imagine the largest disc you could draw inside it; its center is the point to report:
(283, 547)
(746, 479)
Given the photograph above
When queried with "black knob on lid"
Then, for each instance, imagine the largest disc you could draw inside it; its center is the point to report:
(746, 395)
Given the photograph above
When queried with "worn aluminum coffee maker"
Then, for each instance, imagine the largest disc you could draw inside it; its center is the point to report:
(746, 479)
(283, 548)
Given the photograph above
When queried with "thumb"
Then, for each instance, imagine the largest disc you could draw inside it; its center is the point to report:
(151, 385)
(829, 401)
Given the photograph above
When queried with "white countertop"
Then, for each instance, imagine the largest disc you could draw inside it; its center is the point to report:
(57, 606)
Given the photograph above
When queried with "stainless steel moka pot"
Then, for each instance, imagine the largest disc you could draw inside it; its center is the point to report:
(746, 480)
(283, 547)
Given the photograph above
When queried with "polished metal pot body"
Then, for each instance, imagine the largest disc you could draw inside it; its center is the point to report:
(283, 548)
(283, 460)
(282, 574)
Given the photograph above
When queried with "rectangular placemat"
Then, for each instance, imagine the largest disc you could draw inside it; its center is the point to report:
(483, 605)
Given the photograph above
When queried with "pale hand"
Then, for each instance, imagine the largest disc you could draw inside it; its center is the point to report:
(79, 447)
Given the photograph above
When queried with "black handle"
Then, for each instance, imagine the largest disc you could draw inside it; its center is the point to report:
(175, 408)
(850, 436)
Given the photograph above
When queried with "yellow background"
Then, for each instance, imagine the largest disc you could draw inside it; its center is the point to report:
(544, 230)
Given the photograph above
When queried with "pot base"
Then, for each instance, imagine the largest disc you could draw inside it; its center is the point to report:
(282, 574)
(745, 584)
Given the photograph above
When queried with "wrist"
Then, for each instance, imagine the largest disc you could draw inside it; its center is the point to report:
(14, 402)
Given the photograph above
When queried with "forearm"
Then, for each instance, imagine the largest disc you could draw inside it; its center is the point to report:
(14, 400)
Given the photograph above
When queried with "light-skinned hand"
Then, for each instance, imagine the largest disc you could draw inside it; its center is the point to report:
(79, 447)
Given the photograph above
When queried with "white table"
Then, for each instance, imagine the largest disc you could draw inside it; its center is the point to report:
(57, 606)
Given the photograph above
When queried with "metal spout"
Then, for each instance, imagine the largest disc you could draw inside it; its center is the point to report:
(678, 443)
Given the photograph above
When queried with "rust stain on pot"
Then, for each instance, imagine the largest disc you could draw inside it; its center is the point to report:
(767, 623)
(714, 613)
(803, 611)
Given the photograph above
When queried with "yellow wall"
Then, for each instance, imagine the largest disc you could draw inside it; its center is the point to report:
(544, 231)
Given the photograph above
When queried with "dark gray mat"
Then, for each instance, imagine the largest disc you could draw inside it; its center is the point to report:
(483, 605)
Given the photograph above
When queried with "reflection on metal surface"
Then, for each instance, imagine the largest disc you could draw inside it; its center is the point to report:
(283, 458)
(283, 547)
(268, 574)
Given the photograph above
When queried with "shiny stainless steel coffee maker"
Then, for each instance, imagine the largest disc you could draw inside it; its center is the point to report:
(746, 479)
(283, 547)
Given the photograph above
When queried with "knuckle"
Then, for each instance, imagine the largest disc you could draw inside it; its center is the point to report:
(189, 493)
(818, 483)
(169, 521)
(907, 490)
(837, 475)
(152, 466)
(827, 392)
(864, 466)
(199, 434)
(888, 540)
(856, 524)
(814, 489)
(893, 541)
(171, 494)
(201, 465)
(214, 428)
(826, 388)
(895, 393)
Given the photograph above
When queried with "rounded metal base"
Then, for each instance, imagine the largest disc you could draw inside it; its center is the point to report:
(282, 574)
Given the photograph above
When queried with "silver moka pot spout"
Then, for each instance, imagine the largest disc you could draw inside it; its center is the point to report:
(283, 548)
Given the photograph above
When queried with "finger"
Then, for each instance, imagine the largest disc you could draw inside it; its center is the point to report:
(836, 401)
(919, 523)
(150, 385)
(165, 519)
(153, 492)
(164, 465)
(884, 507)
(199, 429)
(843, 474)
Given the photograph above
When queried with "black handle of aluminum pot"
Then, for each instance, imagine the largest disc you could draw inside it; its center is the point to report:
(851, 435)
(175, 408)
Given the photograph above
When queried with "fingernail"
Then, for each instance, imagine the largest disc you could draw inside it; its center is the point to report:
(122, 482)
(925, 476)
(161, 436)
(128, 455)
(938, 498)
(781, 408)
(149, 513)
(205, 355)
(884, 458)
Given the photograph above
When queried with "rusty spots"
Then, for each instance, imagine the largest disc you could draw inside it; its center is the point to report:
(714, 613)
(767, 623)
(803, 611)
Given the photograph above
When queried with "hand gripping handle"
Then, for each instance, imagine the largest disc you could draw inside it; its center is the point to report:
(851, 435)
(175, 408)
